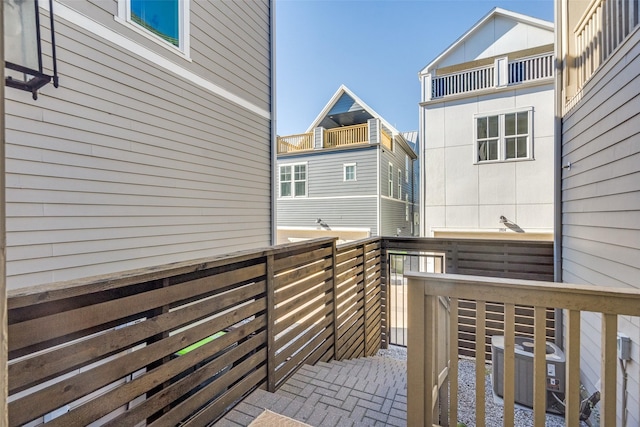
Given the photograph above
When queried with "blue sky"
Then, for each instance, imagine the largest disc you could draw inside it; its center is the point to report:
(375, 48)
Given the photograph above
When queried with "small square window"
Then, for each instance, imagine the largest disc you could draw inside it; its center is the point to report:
(164, 20)
(350, 172)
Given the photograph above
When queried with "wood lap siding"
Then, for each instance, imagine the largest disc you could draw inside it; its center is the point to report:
(122, 332)
(127, 165)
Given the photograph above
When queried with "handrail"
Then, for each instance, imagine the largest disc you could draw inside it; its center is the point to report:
(292, 143)
(347, 135)
(425, 289)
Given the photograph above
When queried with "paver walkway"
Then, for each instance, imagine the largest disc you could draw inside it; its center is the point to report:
(370, 391)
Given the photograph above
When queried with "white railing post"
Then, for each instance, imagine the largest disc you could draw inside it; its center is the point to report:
(318, 138)
(427, 93)
(501, 76)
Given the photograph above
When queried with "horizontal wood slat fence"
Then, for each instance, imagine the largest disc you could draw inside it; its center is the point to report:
(182, 343)
(492, 258)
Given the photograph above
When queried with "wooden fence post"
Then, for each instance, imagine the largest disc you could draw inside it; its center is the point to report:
(271, 351)
(334, 286)
(364, 298)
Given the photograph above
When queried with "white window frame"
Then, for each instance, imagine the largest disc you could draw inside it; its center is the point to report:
(406, 168)
(293, 181)
(184, 25)
(344, 172)
(399, 184)
(391, 180)
(502, 145)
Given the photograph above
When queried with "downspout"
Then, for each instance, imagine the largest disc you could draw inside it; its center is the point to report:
(557, 162)
(274, 141)
(4, 339)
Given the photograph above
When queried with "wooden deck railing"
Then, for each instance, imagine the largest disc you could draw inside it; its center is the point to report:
(427, 402)
(489, 258)
(347, 135)
(293, 143)
(182, 343)
(603, 27)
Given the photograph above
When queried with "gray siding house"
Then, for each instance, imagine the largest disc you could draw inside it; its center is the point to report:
(350, 175)
(155, 147)
(598, 102)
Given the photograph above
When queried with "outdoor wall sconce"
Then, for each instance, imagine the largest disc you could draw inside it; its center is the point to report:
(23, 46)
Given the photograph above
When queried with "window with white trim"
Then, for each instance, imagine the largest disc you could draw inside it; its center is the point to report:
(399, 184)
(163, 20)
(349, 172)
(503, 137)
(390, 180)
(406, 168)
(293, 180)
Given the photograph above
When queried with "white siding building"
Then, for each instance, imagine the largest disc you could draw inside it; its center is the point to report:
(487, 129)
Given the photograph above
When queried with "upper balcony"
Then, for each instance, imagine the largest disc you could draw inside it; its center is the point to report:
(502, 73)
(372, 132)
(602, 26)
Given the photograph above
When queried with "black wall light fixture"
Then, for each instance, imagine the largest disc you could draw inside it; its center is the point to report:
(23, 46)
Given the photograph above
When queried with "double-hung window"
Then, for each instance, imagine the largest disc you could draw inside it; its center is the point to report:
(349, 171)
(399, 184)
(163, 20)
(293, 180)
(390, 180)
(503, 137)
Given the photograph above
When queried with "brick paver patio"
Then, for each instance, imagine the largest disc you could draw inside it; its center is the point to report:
(370, 391)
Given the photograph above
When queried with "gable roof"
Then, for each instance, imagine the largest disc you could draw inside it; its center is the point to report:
(495, 12)
(345, 100)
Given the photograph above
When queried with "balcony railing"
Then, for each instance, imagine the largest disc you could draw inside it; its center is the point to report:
(433, 307)
(530, 69)
(603, 27)
(293, 143)
(386, 139)
(489, 77)
(463, 82)
(347, 135)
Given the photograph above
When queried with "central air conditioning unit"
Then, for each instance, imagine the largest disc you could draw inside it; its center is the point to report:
(523, 366)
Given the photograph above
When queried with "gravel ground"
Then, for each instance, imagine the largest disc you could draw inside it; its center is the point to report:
(466, 396)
